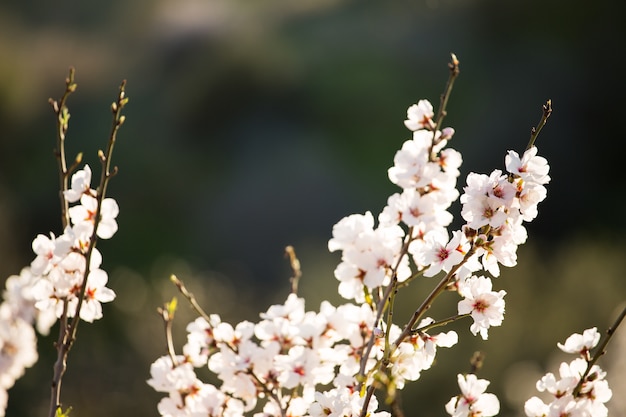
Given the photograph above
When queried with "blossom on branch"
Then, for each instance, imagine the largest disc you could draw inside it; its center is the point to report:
(473, 400)
(484, 305)
(579, 390)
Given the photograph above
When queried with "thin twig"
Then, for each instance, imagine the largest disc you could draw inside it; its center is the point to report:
(440, 323)
(191, 298)
(534, 131)
(453, 66)
(167, 313)
(62, 124)
(294, 262)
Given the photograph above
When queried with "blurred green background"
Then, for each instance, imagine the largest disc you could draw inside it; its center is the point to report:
(257, 124)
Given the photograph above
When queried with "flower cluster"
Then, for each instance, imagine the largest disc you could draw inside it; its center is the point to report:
(18, 342)
(283, 361)
(580, 390)
(335, 361)
(51, 285)
(61, 261)
(298, 363)
(415, 221)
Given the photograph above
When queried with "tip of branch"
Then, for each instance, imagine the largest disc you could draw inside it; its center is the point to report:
(174, 279)
(454, 64)
(547, 108)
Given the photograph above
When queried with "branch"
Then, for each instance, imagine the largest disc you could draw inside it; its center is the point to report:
(67, 332)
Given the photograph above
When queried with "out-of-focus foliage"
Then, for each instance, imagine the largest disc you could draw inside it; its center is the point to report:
(253, 125)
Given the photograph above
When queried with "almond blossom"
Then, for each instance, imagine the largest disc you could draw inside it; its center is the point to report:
(484, 305)
(420, 116)
(473, 400)
(294, 362)
(580, 388)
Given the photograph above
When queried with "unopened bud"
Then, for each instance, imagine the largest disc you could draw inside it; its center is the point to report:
(455, 60)
(378, 332)
(447, 133)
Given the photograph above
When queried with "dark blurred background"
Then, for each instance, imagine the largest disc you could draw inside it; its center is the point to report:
(257, 124)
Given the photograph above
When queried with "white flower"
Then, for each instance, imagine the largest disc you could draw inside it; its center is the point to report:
(450, 160)
(85, 212)
(165, 377)
(581, 343)
(45, 248)
(420, 116)
(588, 402)
(81, 181)
(412, 168)
(473, 400)
(200, 340)
(302, 366)
(95, 294)
(530, 167)
(348, 229)
(439, 254)
(485, 306)
(535, 407)
(18, 347)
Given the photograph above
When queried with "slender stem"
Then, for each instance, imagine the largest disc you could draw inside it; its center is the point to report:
(410, 279)
(294, 262)
(396, 408)
(534, 132)
(453, 65)
(191, 298)
(391, 302)
(167, 314)
(62, 124)
(600, 350)
(440, 323)
(61, 362)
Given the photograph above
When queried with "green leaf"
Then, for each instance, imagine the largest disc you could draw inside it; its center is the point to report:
(60, 413)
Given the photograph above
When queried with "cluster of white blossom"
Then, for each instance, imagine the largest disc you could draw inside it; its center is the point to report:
(330, 363)
(18, 342)
(494, 208)
(473, 400)
(298, 363)
(282, 361)
(61, 261)
(51, 285)
(580, 390)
